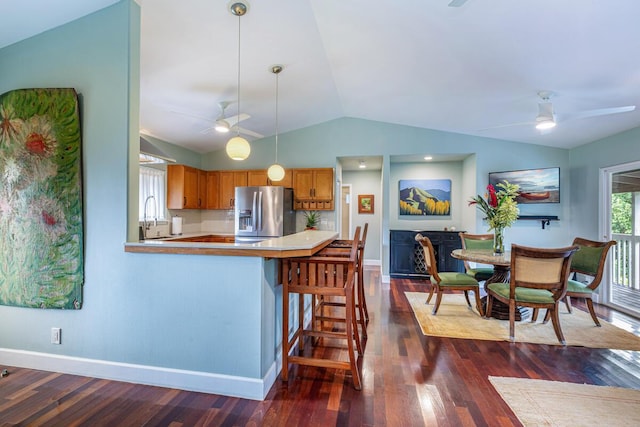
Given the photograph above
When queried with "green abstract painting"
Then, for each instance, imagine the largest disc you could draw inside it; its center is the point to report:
(41, 234)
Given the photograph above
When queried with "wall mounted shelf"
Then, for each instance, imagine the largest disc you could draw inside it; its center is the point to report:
(544, 219)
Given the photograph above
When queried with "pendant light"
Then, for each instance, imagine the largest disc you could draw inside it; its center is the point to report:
(275, 171)
(238, 148)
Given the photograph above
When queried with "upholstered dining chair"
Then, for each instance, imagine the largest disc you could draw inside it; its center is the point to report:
(477, 241)
(590, 261)
(451, 281)
(538, 280)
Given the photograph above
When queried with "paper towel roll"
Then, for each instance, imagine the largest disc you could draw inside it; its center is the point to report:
(176, 225)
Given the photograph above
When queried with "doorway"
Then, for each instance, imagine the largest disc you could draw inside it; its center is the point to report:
(345, 209)
(622, 223)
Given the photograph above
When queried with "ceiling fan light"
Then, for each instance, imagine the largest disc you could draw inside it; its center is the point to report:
(275, 172)
(544, 123)
(222, 126)
(238, 148)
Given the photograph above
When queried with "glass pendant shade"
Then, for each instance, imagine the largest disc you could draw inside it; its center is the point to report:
(275, 172)
(238, 148)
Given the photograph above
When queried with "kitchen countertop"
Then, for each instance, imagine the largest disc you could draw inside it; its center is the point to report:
(305, 243)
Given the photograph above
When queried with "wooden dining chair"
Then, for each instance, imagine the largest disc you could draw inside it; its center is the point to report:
(320, 276)
(451, 281)
(538, 280)
(477, 241)
(590, 261)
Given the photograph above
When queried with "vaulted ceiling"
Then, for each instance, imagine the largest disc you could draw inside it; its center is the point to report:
(468, 69)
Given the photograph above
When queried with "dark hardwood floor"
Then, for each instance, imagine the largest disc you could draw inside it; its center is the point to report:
(408, 380)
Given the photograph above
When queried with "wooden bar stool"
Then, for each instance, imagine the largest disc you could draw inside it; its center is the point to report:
(341, 248)
(320, 276)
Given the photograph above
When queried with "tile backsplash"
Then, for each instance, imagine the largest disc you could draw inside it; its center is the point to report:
(222, 221)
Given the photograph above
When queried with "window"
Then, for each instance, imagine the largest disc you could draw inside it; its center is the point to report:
(152, 184)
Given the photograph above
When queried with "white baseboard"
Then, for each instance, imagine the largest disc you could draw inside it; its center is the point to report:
(204, 382)
(386, 278)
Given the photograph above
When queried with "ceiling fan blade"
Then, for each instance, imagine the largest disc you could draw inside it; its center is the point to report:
(247, 132)
(207, 130)
(507, 125)
(598, 112)
(234, 120)
(190, 114)
(457, 3)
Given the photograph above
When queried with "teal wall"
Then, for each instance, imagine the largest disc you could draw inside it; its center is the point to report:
(586, 162)
(175, 311)
(169, 312)
(366, 182)
(320, 145)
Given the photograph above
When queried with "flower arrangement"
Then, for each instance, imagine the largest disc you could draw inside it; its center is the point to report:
(501, 210)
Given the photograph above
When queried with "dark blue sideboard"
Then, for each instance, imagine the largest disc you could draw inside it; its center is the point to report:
(407, 257)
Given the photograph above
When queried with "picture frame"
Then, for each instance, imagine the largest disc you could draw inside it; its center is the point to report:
(536, 185)
(365, 204)
(424, 197)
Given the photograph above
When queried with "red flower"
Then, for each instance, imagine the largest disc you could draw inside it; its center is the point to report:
(48, 219)
(493, 199)
(36, 143)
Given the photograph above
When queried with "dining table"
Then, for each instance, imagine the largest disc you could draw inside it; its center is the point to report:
(501, 273)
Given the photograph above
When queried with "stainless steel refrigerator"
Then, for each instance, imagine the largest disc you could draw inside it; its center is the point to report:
(263, 212)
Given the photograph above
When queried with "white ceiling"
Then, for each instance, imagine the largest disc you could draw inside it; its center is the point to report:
(417, 62)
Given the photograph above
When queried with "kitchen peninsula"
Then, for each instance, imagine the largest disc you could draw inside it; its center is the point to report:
(243, 301)
(305, 243)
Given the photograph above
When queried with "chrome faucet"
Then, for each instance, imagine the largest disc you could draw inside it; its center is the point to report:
(145, 225)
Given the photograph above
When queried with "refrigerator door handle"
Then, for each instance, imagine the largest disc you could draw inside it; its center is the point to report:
(259, 226)
(254, 212)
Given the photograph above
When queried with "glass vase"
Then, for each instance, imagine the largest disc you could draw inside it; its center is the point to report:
(498, 241)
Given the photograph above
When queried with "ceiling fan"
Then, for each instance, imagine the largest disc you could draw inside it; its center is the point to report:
(222, 123)
(225, 124)
(548, 119)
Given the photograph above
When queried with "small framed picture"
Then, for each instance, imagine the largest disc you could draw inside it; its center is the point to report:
(365, 204)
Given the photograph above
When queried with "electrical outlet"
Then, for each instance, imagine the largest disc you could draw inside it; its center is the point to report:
(56, 335)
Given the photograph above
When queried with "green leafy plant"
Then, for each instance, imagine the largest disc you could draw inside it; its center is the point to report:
(312, 218)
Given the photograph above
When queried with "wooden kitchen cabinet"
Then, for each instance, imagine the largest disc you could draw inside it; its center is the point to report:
(287, 181)
(229, 180)
(182, 187)
(202, 189)
(313, 189)
(257, 178)
(213, 190)
(260, 177)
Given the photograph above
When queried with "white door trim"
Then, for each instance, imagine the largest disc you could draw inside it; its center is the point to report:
(604, 219)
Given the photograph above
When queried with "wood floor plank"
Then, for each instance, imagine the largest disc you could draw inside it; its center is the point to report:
(407, 379)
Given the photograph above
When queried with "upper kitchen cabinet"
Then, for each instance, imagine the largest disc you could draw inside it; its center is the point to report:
(260, 177)
(287, 181)
(257, 178)
(229, 180)
(182, 187)
(202, 189)
(212, 199)
(313, 189)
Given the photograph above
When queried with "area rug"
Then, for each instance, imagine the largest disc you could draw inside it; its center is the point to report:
(553, 403)
(456, 320)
